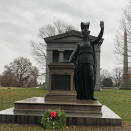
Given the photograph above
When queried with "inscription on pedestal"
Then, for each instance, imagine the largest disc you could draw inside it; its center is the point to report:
(60, 82)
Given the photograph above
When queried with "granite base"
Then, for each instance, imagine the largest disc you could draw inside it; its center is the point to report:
(105, 117)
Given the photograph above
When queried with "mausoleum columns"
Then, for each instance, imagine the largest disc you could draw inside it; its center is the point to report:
(98, 86)
(61, 55)
(49, 56)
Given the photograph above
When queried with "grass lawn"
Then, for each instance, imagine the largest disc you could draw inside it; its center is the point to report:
(9, 96)
(118, 100)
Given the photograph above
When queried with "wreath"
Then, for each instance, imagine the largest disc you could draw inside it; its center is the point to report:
(53, 119)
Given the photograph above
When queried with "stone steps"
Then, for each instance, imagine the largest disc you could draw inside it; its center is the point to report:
(108, 117)
(31, 105)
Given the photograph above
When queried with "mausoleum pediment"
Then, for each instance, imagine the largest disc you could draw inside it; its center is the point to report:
(71, 36)
(67, 39)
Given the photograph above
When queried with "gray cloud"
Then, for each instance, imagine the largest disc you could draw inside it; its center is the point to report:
(21, 19)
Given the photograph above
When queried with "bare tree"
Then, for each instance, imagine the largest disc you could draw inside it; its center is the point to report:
(34, 75)
(125, 24)
(104, 74)
(23, 70)
(39, 48)
(8, 79)
(47, 31)
(117, 74)
(61, 27)
(57, 27)
(39, 52)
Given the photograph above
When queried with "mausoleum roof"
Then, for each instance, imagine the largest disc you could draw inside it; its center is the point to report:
(70, 36)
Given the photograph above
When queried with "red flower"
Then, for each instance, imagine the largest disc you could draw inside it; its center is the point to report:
(53, 115)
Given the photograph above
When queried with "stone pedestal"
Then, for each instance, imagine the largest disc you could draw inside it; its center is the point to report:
(61, 83)
(78, 113)
(37, 105)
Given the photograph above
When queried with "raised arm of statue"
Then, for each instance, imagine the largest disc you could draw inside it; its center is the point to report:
(100, 34)
(73, 55)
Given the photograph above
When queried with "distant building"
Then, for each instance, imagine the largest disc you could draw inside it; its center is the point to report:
(60, 47)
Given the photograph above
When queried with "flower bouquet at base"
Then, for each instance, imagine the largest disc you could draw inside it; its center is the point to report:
(53, 119)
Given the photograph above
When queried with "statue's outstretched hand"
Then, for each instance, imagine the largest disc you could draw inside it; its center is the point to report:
(102, 24)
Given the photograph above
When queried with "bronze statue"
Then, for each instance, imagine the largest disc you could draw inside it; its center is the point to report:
(85, 66)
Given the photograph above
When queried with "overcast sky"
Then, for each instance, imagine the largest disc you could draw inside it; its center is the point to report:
(20, 21)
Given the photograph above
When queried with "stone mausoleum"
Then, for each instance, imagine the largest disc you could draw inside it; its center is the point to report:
(60, 47)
